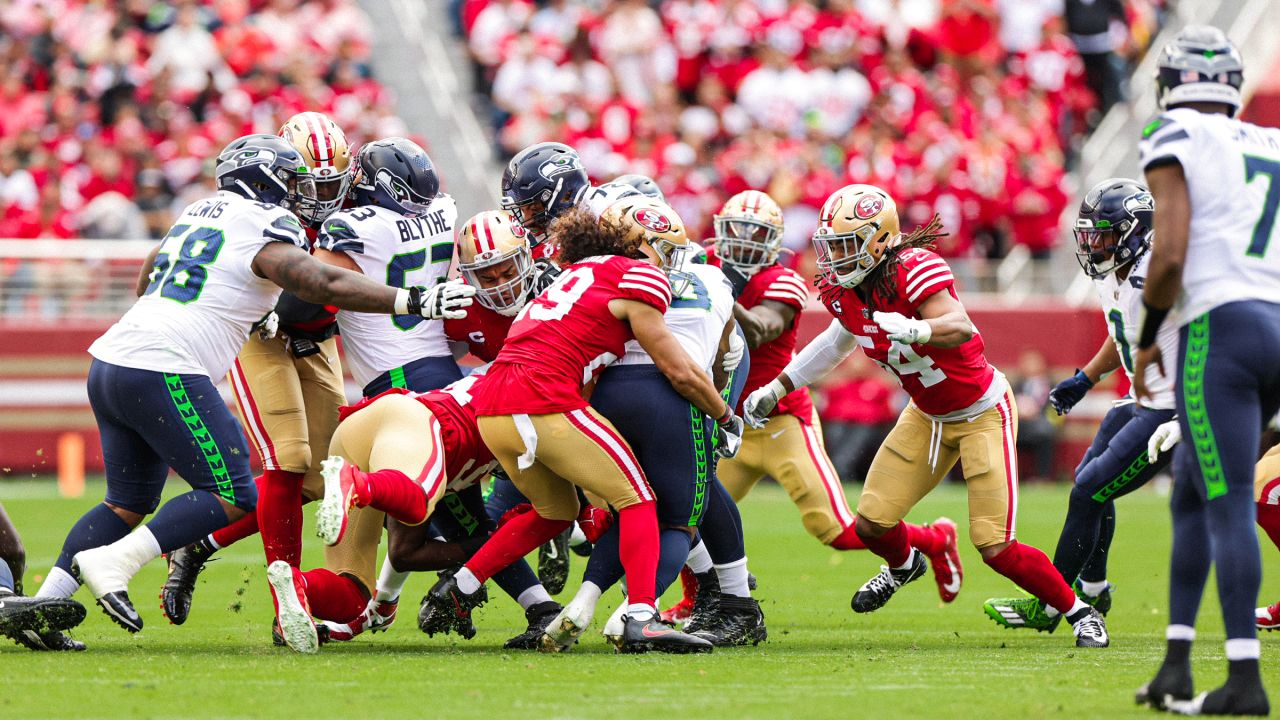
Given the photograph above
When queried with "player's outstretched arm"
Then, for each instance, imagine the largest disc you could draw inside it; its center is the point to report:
(682, 371)
(765, 322)
(814, 361)
(293, 269)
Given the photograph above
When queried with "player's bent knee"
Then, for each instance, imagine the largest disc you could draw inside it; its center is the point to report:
(293, 456)
(130, 513)
(821, 525)
(989, 552)
(867, 528)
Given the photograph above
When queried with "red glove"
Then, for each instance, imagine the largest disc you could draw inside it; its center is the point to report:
(594, 522)
(514, 512)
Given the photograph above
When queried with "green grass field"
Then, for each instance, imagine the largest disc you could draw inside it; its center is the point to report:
(914, 658)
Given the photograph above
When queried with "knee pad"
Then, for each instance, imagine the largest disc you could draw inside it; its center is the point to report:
(292, 455)
(821, 525)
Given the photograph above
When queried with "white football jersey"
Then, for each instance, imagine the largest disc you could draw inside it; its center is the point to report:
(402, 252)
(204, 296)
(1122, 307)
(1233, 178)
(697, 317)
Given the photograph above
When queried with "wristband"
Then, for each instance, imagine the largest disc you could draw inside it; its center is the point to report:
(725, 416)
(401, 306)
(1151, 321)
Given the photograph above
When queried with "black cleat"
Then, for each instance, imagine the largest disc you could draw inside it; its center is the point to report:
(553, 562)
(539, 617)
(447, 609)
(1172, 683)
(1089, 628)
(119, 608)
(706, 603)
(876, 592)
(27, 620)
(1241, 695)
(737, 621)
(185, 565)
(647, 633)
(55, 641)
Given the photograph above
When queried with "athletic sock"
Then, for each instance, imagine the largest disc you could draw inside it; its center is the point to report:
(1073, 614)
(721, 526)
(332, 596)
(638, 549)
(135, 550)
(390, 582)
(1093, 588)
(604, 566)
(533, 596)
(6, 577)
(245, 526)
(894, 546)
(699, 558)
(58, 583)
(848, 540)
(926, 538)
(467, 580)
(280, 516)
(516, 578)
(673, 551)
(1096, 568)
(516, 538)
(1031, 570)
(641, 611)
(733, 579)
(396, 494)
(100, 526)
(588, 595)
(1269, 521)
(187, 518)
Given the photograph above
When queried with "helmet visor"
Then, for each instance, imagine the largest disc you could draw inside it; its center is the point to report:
(502, 283)
(745, 242)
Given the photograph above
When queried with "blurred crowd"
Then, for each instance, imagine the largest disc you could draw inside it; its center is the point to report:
(113, 108)
(970, 108)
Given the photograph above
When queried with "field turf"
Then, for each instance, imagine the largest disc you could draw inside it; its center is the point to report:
(914, 658)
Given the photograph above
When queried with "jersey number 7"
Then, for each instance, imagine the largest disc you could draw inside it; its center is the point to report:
(1253, 167)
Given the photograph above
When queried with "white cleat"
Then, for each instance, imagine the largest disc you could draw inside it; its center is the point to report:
(294, 616)
(616, 625)
(567, 627)
(331, 516)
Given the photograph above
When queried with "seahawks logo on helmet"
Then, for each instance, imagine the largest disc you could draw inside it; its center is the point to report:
(559, 165)
(252, 156)
(1139, 201)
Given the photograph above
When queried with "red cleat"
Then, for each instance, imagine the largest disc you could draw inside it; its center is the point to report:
(948, 573)
(342, 484)
(381, 614)
(682, 610)
(1268, 618)
(293, 614)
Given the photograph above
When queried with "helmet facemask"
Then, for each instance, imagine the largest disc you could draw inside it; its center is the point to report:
(672, 258)
(330, 192)
(1101, 247)
(300, 194)
(502, 281)
(747, 243)
(846, 259)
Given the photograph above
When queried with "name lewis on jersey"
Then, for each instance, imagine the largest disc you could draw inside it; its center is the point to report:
(425, 226)
(209, 209)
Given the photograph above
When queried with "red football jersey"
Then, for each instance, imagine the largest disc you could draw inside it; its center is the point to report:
(939, 380)
(783, 285)
(483, 330)
(566, 335)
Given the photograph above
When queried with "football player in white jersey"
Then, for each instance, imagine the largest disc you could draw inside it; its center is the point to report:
(1215, 275)
(1113, 234)
(151, 384)
(399, 231)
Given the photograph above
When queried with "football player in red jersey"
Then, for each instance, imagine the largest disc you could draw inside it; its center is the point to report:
(770, 299)
(535, 420)
(896, 299)
(288, 387)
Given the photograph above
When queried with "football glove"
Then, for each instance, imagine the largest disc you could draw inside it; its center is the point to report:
(443, 301)
(268, 326)
(1067, 393)
(729, 436)
(737, 279)
(733, 356)
(761, 403)
(903, 329)
(1163, 439)
(593, 522)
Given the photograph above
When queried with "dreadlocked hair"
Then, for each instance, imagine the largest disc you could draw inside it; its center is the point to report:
(883, 288)
(581, 235)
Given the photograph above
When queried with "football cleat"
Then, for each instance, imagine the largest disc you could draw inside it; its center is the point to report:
(553, 562)
(98, 570)
(1227, 700)
(380, 614)
(706, 603)
(293, 615)
(566, 627)
(341, 479)
(1101, 602)
(27, 620)
(55, 641)
(185, 565)
(948, 573)
(335, 631)
(737, 621)
(876, 592)
(1268, 618)
(539, 616)
(324, 630)
(1089, 628)
(616, 626)
(447, 609)
(1024, 612)
(644, 632)
(1171, 684)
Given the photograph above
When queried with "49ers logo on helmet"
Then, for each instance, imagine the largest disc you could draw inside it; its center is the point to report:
(868, 207)
(653, 220)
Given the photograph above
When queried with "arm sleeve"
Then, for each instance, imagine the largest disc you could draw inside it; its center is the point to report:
(647, 284)
(821, 355)
(1167, 139)
(338, 235)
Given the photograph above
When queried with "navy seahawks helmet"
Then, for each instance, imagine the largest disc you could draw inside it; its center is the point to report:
(540, 183)
(1199, 65)
(1114, 225)
(394, 173)
(266, 169)
(643, 183)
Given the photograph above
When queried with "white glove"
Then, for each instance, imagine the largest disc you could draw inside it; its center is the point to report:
(733, 356)
(762, 402)
(729, 437)
(1164, 438)
(268, 326)
(443, 301)
(903, 329)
